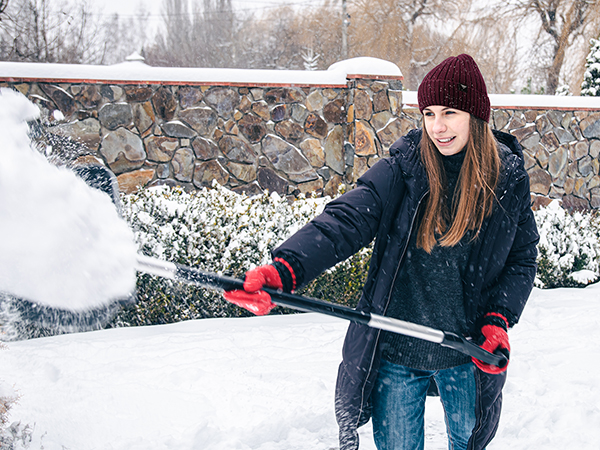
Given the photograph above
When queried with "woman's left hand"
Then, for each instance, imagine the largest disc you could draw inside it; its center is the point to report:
(494, 331)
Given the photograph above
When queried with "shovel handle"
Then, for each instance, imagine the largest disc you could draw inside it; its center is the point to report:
(468, 347)
(214, 281)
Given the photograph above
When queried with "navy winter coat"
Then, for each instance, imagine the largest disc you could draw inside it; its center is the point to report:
(383, 206)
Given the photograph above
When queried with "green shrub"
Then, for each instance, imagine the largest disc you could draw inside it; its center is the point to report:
(12, 435)
(343, 283)
(215, 230)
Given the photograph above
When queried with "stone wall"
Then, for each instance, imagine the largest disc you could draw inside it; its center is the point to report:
(561, 149)
(290, 139)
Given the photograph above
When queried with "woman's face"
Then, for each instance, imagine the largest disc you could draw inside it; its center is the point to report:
(448, 128)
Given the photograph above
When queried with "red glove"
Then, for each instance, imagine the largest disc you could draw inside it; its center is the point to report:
(251, 297)
(496, 339)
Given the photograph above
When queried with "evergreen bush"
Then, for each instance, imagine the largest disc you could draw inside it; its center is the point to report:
(569, 248)
(343, 283)
(215, 230)
(591, 78)
(12, 435)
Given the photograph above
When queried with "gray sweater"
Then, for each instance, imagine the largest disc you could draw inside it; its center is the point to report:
(429, 291)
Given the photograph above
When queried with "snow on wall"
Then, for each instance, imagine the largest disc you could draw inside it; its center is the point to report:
(137, 71)
(519, 101)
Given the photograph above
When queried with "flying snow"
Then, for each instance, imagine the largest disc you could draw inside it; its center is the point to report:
(62, 243)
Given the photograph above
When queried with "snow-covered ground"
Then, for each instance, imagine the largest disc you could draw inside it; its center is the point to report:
(267, 383)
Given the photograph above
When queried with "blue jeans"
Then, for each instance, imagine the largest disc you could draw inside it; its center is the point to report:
(399, 405)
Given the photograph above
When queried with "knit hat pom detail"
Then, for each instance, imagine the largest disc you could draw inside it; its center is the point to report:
(456, 83)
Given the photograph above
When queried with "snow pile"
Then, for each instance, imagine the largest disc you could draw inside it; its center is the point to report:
(8, 396)
(267, 383)
(63, 243)
(366, 65)
(569, 248)
(552, 395)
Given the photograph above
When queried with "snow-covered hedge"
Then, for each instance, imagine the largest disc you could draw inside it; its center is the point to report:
(12, 435)
(219, 231)
(591, 78)
(215, 229)
(569, 248)
(7, 397)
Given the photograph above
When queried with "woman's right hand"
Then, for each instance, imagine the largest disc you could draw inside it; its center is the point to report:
(252, 297)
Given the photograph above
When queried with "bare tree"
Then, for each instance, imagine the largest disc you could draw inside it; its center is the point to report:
(219, 30)
(564, 29)
(36, 31)
(3, 5)
(278, 39)
(205, 36)
(122, 37)
(320, 31)
(173, 44)
(494, 47)
(415, 34)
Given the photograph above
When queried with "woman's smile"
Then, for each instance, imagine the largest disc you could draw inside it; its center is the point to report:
(448, 128)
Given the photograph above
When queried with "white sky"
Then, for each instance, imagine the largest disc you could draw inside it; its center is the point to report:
(155, 7)
(131, 8)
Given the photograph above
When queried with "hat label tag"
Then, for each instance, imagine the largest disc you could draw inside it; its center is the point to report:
(462, 87)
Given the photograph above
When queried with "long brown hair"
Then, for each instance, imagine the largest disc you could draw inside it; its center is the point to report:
(474, 197)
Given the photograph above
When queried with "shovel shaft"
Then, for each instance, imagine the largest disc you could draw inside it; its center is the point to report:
(208, 280)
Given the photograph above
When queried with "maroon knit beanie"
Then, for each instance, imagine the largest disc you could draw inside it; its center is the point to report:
(456, 83)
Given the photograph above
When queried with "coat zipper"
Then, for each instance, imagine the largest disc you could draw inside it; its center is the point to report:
(412, 224)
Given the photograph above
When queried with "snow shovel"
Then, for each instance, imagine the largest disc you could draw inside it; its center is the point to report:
(197, 277)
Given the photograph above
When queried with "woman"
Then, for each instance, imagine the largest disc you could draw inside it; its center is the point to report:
(455, 249)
